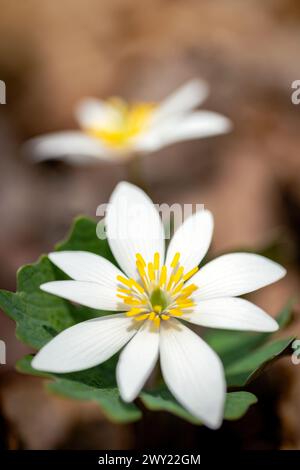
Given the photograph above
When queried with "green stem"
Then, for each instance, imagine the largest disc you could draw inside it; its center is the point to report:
(135, 172)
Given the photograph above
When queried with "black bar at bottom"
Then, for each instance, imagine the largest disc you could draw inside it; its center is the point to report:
(137, 459)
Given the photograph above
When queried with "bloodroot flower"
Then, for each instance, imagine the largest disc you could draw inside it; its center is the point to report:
(157, 294)
(114, 130)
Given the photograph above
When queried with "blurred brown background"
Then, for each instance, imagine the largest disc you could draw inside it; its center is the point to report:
(54, 52)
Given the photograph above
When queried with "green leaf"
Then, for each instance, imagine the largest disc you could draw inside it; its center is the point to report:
(83, 236)
(97, 384)
(241, 371)
(237, 404)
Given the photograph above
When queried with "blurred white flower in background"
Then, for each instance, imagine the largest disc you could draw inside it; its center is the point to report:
(114, 130)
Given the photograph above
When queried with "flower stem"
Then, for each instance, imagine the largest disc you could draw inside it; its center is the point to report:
(135, 173)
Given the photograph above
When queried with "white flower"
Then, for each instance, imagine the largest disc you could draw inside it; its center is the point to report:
(157, 294)
(113, 129)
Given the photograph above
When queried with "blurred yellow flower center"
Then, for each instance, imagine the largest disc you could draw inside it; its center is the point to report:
(124, 122)
(159, 293)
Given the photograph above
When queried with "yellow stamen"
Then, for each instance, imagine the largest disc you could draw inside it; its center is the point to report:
(137, 286)
(156, 261)
(124, 291)
(151, 272)
(184, 304)
(178, 288)
(125, 281)
(140, 259)
(142, 317)
(131, 300)
(141, 271)
(189, 289)
(175, 260)
(156, 321)
(163, 276)
(152, 315)
(170, 282)
(183, 298)
(165, 317)
(190, 273)
(141, 268)
(178, 275)
(134, 311)
(175, 312)
(124, 297)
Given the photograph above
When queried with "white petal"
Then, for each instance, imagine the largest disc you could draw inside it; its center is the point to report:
(85, 345)
(91, 112)
(148, 141)
(75, 147)
(184, 99)
(231, 313)
(86, 266)
(235, 274)
(195, 125)
(89, 294)
(192, 240)
(137, 361)
(193, 372)
(133, 226)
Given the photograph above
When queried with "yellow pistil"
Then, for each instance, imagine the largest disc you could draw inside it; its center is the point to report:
(157, 308)
(123, 123)
(157, 294)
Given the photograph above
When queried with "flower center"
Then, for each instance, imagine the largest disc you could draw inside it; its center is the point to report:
(123, 123)
(158, 300)
(160, 291)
